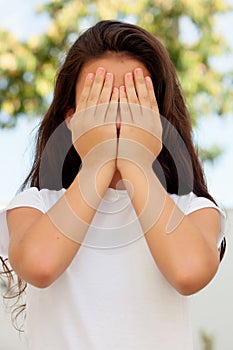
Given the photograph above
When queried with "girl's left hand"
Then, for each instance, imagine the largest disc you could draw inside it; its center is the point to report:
(140, 137)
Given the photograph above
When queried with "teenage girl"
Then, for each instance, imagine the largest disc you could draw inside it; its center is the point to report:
(115, 226)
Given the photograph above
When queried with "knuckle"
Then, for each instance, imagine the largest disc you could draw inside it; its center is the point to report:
(134, 101)
(82, 99)
(144, 98)
(92, 100)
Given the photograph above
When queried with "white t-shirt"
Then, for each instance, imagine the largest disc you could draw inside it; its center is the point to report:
(112, 296)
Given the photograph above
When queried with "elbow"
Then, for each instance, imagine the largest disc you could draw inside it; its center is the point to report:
(38, 272)
(40, 278)
(186, 284)
(190, 281)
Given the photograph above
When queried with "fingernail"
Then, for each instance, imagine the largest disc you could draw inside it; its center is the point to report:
(122, 88)
(90, 76)
(109, 76)
(138, 71)
(129, 75)
(148, 79)
(100, 70)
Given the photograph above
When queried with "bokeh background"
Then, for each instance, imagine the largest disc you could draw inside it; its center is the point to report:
(34, 38)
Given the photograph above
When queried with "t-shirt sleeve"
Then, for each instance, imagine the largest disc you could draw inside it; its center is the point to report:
(28, 198)
(190, 203)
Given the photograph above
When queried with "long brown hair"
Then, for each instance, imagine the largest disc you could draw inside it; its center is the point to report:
(179, 173)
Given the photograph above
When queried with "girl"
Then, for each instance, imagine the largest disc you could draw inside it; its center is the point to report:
(117, 227)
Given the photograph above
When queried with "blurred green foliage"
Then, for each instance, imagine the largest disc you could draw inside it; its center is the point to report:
(207, 341)
(27, 69)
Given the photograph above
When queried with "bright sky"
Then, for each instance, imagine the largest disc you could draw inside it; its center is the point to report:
(14, 144)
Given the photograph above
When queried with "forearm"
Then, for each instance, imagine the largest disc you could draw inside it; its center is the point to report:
(42, 253)
(178, 247)
(80, 202)
(47, 243)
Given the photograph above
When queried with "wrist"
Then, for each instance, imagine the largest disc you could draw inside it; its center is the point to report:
(134, 154)
(92, 169)
(129, 167)
(95, 178)
(146, 192)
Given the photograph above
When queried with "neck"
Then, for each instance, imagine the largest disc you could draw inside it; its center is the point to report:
(117, 182)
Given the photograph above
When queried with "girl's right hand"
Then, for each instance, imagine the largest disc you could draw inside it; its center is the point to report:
(93, 124)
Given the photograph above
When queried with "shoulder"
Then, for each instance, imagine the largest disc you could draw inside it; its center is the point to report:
(191, 203)
(33, 197)
(29, 199)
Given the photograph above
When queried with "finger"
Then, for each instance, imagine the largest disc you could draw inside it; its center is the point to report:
(106, 92)
(151, 93)
(132, 96)
(124, 107)
(85, 92)
(105, 97)
(96, 87)
(130, 89)
(122, 94)
(154, 117)
(141, 88)
(111, 114)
